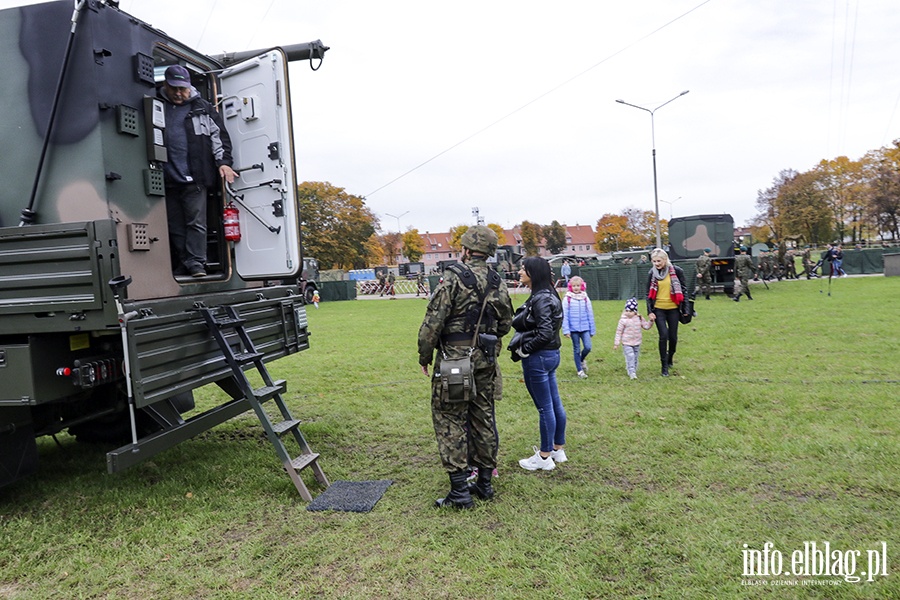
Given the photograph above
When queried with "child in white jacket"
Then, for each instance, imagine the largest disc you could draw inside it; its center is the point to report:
(628, 333)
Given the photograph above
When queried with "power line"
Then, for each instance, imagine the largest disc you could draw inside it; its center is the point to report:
(208, 19)
(545, 94)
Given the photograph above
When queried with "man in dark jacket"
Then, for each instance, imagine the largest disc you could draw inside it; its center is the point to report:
(199, 153)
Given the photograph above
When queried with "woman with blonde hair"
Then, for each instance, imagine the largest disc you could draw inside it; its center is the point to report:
(666, 290)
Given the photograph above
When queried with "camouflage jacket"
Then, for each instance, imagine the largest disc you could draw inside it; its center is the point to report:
(703, 263)
(451, 300)
(743, 265)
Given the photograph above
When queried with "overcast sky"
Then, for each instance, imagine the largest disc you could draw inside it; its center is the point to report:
(510, 106)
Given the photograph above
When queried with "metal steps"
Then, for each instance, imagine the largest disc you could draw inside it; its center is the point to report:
(285, 426)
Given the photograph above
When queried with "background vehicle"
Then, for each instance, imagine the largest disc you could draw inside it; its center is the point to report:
(97, 336)
(507, 262)
(309, 278)
(688, 236)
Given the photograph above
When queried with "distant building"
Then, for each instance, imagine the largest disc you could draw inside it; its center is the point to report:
(579, 240)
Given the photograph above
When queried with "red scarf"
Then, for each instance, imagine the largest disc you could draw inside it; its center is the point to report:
(676, 294)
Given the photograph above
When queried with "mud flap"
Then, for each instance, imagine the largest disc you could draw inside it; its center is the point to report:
(18, 448)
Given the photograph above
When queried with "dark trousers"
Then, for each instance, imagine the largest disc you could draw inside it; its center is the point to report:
(186, 215)
(667, 326)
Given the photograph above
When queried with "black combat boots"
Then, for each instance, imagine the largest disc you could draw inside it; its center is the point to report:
(459, 496)
(482, 486)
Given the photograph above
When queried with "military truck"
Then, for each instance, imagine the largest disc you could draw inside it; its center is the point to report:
(98, 337)
(689, 236)
(309, 278)
(507, 261)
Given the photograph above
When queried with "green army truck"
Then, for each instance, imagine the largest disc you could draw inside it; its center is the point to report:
(689, 236)
(98, 336)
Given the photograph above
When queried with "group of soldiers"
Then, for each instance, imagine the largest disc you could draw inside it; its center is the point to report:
(772, 264)
(780, 264)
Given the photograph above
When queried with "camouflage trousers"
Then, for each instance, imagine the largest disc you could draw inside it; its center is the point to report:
(705, 284)
(741, 285)
(466, 432)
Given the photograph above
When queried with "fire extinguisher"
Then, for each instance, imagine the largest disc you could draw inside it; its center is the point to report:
(232, 222)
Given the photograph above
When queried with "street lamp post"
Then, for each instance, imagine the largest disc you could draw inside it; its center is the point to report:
(653, 140)
(670, 203)
(398, 219)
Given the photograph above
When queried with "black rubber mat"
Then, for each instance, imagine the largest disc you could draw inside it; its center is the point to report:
(350, 496)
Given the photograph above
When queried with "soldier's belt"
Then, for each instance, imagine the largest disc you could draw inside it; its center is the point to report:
(465, 342)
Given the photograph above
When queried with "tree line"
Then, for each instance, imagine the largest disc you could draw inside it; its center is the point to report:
(342, 232)
(839, 199)
(856, 201)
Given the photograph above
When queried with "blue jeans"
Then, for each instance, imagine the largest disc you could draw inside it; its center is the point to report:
(539, 372)
(580, 338)
(838, 270)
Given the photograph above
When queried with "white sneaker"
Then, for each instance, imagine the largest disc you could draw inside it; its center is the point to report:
(559, 456)
(582, 374)
(633, 375)
(535, 462)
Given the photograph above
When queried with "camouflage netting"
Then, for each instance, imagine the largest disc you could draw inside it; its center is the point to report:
(621, 282)
(858, 262)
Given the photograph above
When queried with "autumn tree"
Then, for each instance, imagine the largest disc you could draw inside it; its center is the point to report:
(883, 204)
(335, 225)
(554, 237)
(613, 233)
(390, 245)
(413, 247)
(501, 236)
(642, 223)
(531, 237)
(802, 209)
(767, 205)
(456, 234)
(842, 182)
(374, 251)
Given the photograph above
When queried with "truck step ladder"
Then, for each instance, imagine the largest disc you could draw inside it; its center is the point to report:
(243, 354)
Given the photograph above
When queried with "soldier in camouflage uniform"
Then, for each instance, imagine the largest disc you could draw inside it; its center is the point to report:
(743, 271)
(807, 262)
(780, 261)
(790, 266)
(765, 265)
(465, 430)
(704, 264)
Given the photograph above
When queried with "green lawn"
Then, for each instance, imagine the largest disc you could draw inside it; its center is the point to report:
(780, 425)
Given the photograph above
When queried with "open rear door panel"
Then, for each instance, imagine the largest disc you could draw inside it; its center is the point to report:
(256, 110)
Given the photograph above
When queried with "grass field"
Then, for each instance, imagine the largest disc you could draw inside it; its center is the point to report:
(780, 425)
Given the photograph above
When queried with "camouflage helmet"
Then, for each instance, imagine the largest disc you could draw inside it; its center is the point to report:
(479, 238)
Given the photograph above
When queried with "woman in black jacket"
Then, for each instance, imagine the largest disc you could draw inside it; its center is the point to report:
(536, 344)
(666, 292)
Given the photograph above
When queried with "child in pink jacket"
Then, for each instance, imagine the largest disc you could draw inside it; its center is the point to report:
(628, 333)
